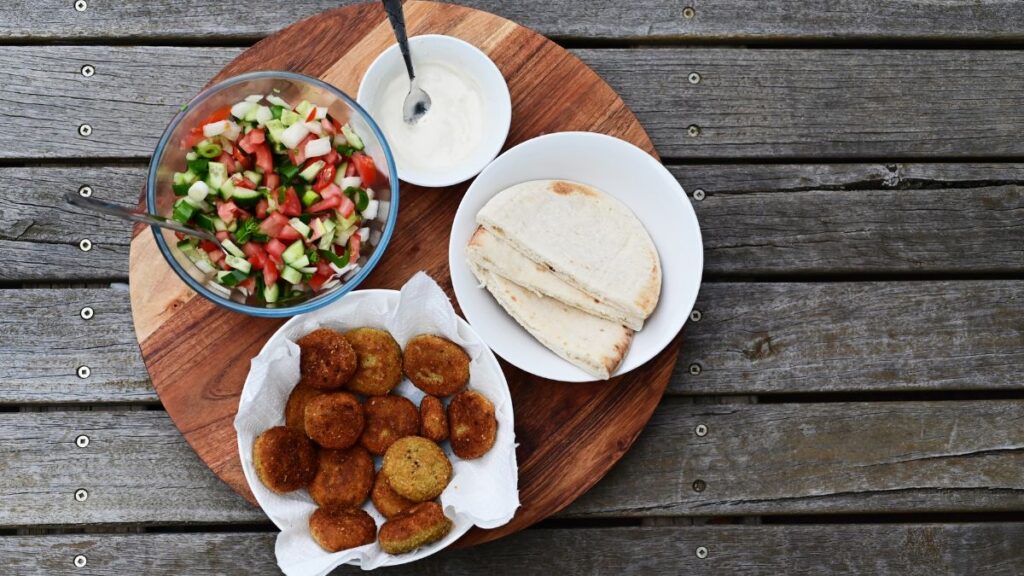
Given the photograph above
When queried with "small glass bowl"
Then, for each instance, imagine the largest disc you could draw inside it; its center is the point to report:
(169, 157)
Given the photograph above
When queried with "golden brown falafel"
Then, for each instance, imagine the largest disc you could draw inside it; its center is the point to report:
(334, 420)
(388, 418)
(433, 420)
(284, 458)
(379, 361)
(388, 502)
(436, 365)
(295, 409)
(423, 524)
(417, 468)
(327, 360)
(337, 529)
(472, 427)
(343, 479)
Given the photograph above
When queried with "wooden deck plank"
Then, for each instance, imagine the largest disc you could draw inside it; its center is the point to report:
(896, 549)
(789, 219)
(795, 103)
(956, 456)
(647, 20)
(753, 338)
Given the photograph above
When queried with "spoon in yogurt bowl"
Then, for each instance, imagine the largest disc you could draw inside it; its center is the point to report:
(417, 102)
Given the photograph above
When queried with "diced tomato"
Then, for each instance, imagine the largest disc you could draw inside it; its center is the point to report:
(264, 160)
(179, 235)
(250, 141)
(218, 115)
(298, 155)
(255, 252)
(257, 262)
(331, 191)
(332, 157)
(353, 245)
(291, 205)
(328, 127)
(322, 267)
(208, 246)
(275, 247)
(351, 170)
(337, 125)
(226, 211)
(249, 284)
(325, 178)
(270, 273)
(242, 182)
(228, 161)
(272, 181)
(289, 234)
(216, 256)
(223, 235)
(273, 224)
(317, 281)
(326, 204)
(365, 168)
(347, 206)
(195, 136)
(261, 208)
(311, 115)
(244, 161)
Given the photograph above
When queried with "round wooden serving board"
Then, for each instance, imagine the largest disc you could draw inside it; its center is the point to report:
(198, 354)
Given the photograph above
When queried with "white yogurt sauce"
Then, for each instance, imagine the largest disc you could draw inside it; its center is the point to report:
(448, 133)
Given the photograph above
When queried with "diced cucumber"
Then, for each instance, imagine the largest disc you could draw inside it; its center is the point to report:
(231, 277)
(240, 264)
(263, 115)
(300, 262)
(219, 224)
(291, 275)
(288, 117)
(307, 269)
(300, 227)
(271, 293)
(254, 177)
(293, 252)
(232, 249)
(182, 181)
(217, 176)
(183, 211)
(339, 175)
(328, 236)
(303, 108)
(187, 246)
(353, 139)
(276, 130)
(245, 196)
(197, 204)
(309, 198)
(205, 222)
(202, 261)
(227, 189)
(242, 109)
(199, 166)
(250, 116)
(287, 171)
(345, 223)
(310, 173)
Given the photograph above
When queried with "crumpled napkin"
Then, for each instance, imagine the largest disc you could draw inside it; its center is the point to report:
(483, 492)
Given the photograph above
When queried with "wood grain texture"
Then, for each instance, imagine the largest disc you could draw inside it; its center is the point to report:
(894, 549)
(571, 435)
(645, 20)
(792, 103)
(778, 219)
(776, 459)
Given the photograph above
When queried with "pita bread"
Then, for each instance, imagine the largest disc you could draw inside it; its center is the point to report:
(587, 238)
(594, 344)
(494, 255)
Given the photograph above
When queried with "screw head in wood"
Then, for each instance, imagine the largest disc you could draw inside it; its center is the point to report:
(698, 194)
(84, 372)
(695, 316)
(689, 12)
(693, 130)
(695, 369)
(81, 5)
(85, 245)
(701, 552)
(694, 78)
(81, 494)
(81, 561)
(82, 441)
(699, 485)
(85, 191)
(86, 313)
(88, 70)
(701, 430)
(84, 130)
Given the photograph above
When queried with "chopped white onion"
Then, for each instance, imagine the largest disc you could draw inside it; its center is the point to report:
(242, 108)
(315, 128)
(364, 234)
(341, 271)
(222, 290)
(225, 144)
(294, 134)
(263, 115)
(318, 147)
(375, 237)
(204, 265)
(198, 191)
(215, 128)
(254, 98)
(330, 284)
(371, 210)
(353, 181)
(232, 131)
(321, 112)
(339, 140)
(352, 272)
(278, 101)
(369, 193)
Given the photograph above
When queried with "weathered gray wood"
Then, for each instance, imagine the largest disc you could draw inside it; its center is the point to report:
(871, 549)
(44, 340)
(748, 103)
(819, 458)
(742, 20)
(753, 338)
(755, 459)
(755, 219)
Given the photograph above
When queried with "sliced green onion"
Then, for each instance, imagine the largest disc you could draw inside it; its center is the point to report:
(208, 149)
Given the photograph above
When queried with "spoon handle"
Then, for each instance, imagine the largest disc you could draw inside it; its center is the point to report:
(397, 17)
(112, 209)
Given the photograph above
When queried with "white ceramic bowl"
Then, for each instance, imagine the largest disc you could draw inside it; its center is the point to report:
(635, 178)
(466, 58)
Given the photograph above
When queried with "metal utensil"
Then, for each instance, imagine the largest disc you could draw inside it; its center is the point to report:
(112, 209)
(417, 102)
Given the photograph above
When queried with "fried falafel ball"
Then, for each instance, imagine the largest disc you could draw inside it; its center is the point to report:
(337, 529)
(343, 479)
(334, 420)
(388, 502)
(472, 427)
(417, 468)
(388, 418)
(420, 525)
(284, 458)
(379, 361)
(327, 360)
(295, 409)
(436, 365)
(433, 420)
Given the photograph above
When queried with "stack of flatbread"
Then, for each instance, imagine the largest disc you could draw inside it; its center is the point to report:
(572, 265)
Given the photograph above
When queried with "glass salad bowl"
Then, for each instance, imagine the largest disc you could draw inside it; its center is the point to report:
(176, 188)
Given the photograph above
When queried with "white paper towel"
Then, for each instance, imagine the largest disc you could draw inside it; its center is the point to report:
(483, 492)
